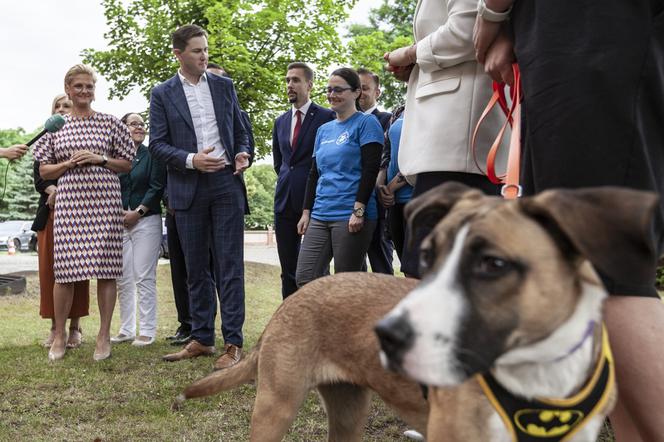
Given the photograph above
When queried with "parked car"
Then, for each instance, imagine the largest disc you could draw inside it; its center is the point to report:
(18, 232)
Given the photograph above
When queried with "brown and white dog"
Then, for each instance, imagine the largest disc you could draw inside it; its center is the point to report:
(322, 338)
(509, 290)
(506, 288)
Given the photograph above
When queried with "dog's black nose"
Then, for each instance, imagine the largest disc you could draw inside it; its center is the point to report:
(396, 336)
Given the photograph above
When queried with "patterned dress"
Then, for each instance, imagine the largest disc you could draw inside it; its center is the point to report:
(87, 228)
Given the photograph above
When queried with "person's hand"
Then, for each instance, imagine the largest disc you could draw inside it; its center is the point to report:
(385, 196)
(83, 157)
(405, 56)
(205, 163)
(51, 200)
(399, 64)
(131, 217)
(355, 223)
(484, 34)
(14, 152)
(303, 223)
(499, 59)
(241, 162)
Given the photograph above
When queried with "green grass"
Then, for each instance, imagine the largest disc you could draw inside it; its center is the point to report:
(128, 397)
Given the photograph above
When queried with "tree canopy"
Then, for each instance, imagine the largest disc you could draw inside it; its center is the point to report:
(20, 197)
(254, 40)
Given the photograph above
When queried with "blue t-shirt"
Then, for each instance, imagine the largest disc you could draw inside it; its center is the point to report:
(339, 161)
(404, 194)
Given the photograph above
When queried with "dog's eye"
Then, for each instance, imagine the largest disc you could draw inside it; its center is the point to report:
(489, 266)
(426, 259)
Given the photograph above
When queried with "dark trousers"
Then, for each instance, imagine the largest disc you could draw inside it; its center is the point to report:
(215, 222)
(288, 247)
(325, 240)
(426, 181)
(178, 273)
(381, 250)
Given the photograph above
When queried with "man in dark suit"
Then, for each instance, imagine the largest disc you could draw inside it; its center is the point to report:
(381, 249)
(196, 129)
(293, 137)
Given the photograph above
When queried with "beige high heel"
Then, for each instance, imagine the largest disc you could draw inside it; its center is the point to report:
(97, 356)
(56, 354)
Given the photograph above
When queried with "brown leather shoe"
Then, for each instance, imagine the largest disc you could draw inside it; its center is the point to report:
(192, 350)
(232, 355)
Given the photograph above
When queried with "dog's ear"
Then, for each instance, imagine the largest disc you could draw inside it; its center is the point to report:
(602, 223)
(426, 210)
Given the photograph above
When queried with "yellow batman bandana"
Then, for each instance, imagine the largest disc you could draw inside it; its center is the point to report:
(549, 420)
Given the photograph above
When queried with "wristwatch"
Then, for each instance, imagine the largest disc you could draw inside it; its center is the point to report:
(358, 212)
(105, 160)
(491, 15)
(141, 211)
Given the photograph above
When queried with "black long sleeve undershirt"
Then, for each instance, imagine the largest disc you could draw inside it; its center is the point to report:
(370, 158)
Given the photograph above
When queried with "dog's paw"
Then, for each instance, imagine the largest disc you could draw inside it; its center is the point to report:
(178, 402)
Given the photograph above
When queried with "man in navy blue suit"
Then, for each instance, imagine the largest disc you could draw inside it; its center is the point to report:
(381, 250)
(293, 137)
(196, 129)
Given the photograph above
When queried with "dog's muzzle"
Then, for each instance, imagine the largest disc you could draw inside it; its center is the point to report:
(396, 336)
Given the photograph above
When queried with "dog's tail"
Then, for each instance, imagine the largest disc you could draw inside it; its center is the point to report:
(241, 373)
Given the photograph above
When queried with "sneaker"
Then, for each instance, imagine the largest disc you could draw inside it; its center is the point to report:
(413, 435)
(142, 341)
(121, 338)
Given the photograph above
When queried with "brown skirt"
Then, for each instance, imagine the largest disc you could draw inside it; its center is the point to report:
(81, 304)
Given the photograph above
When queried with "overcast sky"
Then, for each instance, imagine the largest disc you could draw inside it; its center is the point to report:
(42, 39)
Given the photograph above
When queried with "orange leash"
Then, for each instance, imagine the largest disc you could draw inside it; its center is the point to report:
(511, 188)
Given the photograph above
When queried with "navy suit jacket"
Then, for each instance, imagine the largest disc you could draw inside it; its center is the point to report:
(172, 135)
(292, 166)
(383, 117)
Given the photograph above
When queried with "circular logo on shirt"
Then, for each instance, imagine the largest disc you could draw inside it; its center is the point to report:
(343, 138)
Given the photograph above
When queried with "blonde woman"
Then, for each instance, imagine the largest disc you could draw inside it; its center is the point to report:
(43, 225)
(85, 156)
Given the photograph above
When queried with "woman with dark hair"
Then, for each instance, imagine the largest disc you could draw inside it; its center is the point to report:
(142, 189)
(340, 211)
(43, 225)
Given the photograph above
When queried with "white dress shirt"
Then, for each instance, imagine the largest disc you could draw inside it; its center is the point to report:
(199, 100)
(304, 109)
(370, 110)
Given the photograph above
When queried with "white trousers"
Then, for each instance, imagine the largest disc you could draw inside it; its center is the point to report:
(140, 252)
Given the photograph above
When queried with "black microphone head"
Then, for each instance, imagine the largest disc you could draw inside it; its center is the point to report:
(54, 123)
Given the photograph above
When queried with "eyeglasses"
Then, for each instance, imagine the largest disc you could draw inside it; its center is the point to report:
(137, 125)
(83, 87)
(337, 89)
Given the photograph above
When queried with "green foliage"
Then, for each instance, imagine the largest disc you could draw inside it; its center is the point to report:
(659, 281)
(260, 181)
(21, 198)
(254, 40)
(391, 27)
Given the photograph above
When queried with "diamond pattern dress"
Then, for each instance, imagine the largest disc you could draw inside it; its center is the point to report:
(87, 227)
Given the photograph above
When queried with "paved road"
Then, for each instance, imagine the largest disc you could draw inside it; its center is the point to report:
(253, 252)
(25, 262)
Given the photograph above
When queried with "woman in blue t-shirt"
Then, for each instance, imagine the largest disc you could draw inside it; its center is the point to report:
(340, 213)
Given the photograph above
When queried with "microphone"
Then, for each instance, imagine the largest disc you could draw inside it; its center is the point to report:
(53, 124)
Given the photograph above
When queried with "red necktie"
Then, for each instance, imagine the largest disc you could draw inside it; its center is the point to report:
(298, 126)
